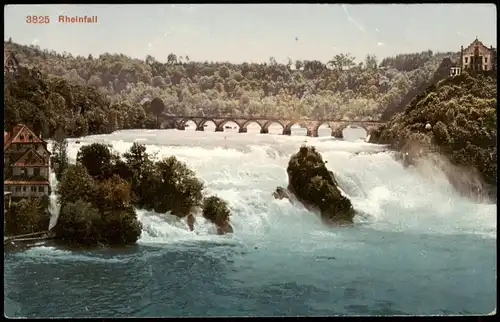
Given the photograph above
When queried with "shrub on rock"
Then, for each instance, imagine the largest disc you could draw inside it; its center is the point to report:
(121, 226)
(216, 210)
(177, 189)
(315, 186)
(95, 211)
(79, 222)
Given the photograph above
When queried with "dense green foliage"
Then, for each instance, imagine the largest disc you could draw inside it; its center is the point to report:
(98, 95)
(315, 186)
(94, 210)
(59, 156)
(462, 114)
(99, 193)
(27, 216)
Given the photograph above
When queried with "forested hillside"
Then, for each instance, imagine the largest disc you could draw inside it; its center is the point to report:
(339, 89)
(461, 113)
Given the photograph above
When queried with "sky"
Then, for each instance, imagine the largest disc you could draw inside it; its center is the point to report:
(255, 32)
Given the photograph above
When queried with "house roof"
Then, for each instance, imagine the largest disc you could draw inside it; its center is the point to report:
(22, 182)
(476, 42)
(16, 137)
(29, 155)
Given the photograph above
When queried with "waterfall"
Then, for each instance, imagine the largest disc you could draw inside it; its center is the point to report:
(54, 206)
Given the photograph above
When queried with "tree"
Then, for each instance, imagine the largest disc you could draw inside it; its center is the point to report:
(76, 184)
(113, 193)
(143, 175)
(177, 188)
(98, 159)
(27, 216)
(79, 222)
(59, 156)
(172, 58)
(157, 107)
(298, 64)
(371, 62)
(121, 226)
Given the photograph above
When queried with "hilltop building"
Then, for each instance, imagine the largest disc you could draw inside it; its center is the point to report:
(10, 63)
(26, 163)
(476, 57)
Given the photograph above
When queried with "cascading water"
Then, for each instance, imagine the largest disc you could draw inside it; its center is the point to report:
(54, 206)
(417, 247)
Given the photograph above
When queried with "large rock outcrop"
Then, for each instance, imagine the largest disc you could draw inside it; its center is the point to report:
(316, 188)
(456, 120)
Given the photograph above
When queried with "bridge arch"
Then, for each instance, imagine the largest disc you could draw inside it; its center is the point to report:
(224, 122)
(315, 130)
(338, 129)
(244, 125)
(268, 123)
(204, 122)
(287, 128)
(184, 121)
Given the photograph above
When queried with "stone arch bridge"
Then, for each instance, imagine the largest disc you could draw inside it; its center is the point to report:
(312, 126)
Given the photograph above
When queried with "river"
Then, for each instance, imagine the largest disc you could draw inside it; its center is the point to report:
(416, 248)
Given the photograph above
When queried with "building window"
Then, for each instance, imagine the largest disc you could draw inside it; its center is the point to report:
(466, 59)
(24, 189)
(18, 189)
(485, 67)
(21, 137)
(37, 171)
(31, 137)
(485, 59)
(22, 171)
(33, 189)
(40, 189)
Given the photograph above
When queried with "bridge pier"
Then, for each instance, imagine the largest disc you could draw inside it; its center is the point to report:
(219, 129)
(264, 131)
(312, 133)
(287, 131)
(243, 130)
(200, 128)
(337, 133)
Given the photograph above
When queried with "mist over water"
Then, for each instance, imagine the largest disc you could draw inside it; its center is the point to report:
(416, 248)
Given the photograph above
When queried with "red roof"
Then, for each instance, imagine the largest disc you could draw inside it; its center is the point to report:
(13, 182)
(21, 134)
(27, 158)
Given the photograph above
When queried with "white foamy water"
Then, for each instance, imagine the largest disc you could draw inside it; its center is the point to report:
(416, 248)
(245, 169)
(54, 206)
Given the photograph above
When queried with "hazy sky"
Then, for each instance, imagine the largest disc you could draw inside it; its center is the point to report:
(255, 32)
